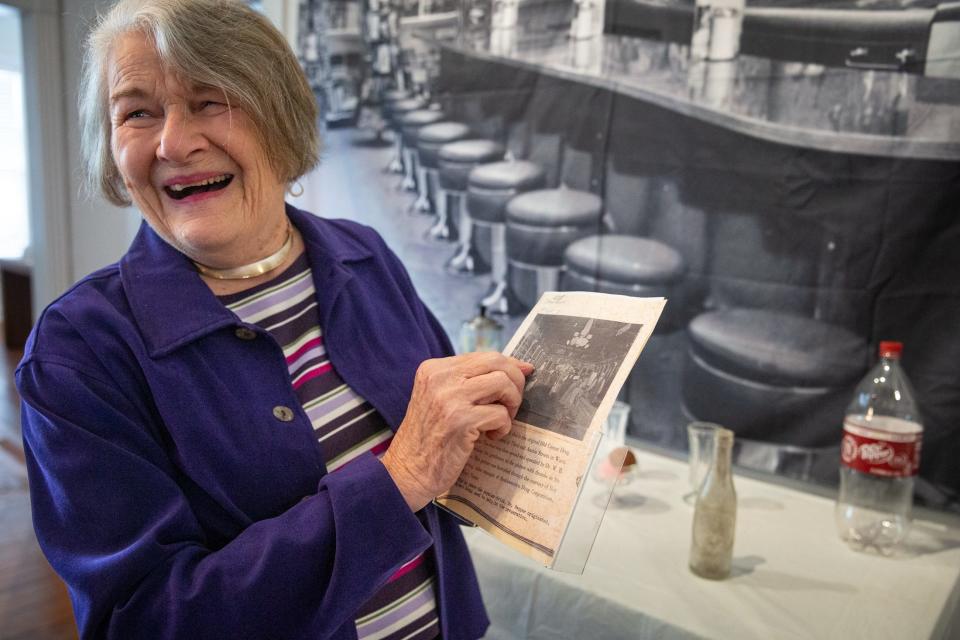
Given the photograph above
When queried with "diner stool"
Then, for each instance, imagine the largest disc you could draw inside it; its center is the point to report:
(541, 224)
(395, 95)
(489, 188)
(455, 161)
(429, 140)
(392, 113)
(389, 98)
(625, 265)
(410, 125)
(635, 266)
(378, 98)
(771, 376)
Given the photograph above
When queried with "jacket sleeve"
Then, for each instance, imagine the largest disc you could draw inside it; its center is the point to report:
(137, 561)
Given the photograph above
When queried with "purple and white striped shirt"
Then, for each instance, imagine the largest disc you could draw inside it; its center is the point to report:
(346, 426)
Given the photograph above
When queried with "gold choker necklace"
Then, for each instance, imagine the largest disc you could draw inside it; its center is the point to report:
(253, 269)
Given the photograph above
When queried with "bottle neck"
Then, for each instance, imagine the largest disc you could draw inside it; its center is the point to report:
(722, 454)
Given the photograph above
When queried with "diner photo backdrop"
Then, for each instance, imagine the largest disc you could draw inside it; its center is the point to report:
(786, 173)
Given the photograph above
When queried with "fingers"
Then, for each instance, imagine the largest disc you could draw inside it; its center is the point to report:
(481, 362)
(525, 367)
(502, 431)
(494, 387)
(442, 370)
(514, 375)
(493, 419)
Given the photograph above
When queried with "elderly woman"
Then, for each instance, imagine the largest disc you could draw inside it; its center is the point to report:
(237, 430)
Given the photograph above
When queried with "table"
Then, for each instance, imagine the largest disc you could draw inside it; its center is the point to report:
(792, 578)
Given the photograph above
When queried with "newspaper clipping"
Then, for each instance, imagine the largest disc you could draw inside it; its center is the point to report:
(523, 488)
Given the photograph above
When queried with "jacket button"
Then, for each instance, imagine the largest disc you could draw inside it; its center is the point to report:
(244, 333)
(282, 413)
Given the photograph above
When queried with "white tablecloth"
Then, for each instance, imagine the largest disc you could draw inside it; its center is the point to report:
(792, 578)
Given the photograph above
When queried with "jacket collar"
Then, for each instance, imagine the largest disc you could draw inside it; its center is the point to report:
(173, 306)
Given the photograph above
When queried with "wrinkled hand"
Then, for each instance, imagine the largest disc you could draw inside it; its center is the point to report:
(454, 400)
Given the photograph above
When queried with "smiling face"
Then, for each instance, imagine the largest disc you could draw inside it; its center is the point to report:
(193, 165)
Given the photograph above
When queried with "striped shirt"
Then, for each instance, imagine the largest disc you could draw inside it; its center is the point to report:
(347, 426)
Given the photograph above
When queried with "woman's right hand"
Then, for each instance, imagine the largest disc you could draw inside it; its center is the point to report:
(454, 401)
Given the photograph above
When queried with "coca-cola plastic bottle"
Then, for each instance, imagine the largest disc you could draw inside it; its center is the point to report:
(880, 456)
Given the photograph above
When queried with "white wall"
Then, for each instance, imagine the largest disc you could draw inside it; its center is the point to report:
(283, 14)
(100, 231)
(70, 236)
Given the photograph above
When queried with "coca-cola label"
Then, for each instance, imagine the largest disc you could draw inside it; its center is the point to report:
(880, 453)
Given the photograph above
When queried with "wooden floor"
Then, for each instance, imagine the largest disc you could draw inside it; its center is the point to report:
(33, 600)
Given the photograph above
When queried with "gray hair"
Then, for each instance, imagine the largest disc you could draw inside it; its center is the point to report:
(217, 43)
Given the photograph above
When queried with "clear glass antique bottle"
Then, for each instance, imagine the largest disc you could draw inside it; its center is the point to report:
(715, 514)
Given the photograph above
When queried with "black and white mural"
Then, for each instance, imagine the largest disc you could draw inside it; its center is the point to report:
(787, 175)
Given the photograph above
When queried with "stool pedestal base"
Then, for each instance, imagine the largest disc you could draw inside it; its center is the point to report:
(442, 229)
(396, 164)
(529, 282)
(466, 261)
(409, 182)
(422, 203)
(501, 301)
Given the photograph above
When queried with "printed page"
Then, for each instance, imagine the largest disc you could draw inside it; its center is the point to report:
(523, 488)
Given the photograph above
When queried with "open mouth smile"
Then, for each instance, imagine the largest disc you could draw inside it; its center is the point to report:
(185, 190)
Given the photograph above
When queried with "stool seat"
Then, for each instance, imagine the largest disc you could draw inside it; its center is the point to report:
(521, 175)
(433, 136)
(457, 159)
(625, 260)
(472, 151)
(777, 348)
(393, 110)
(412, 121)
(555, 208)
(420, 117)
(443, 132)
(408, 104)
(541, 224)
(491, 186)
(393, 95)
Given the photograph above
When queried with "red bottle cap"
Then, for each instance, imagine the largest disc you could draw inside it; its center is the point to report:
(890, 349)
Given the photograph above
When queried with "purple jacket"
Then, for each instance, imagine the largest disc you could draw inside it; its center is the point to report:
(167, 494)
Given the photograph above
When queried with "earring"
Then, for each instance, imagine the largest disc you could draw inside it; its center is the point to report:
(297, 186)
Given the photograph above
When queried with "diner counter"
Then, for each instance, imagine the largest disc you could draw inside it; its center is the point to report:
(871, 112)
(792, 577)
